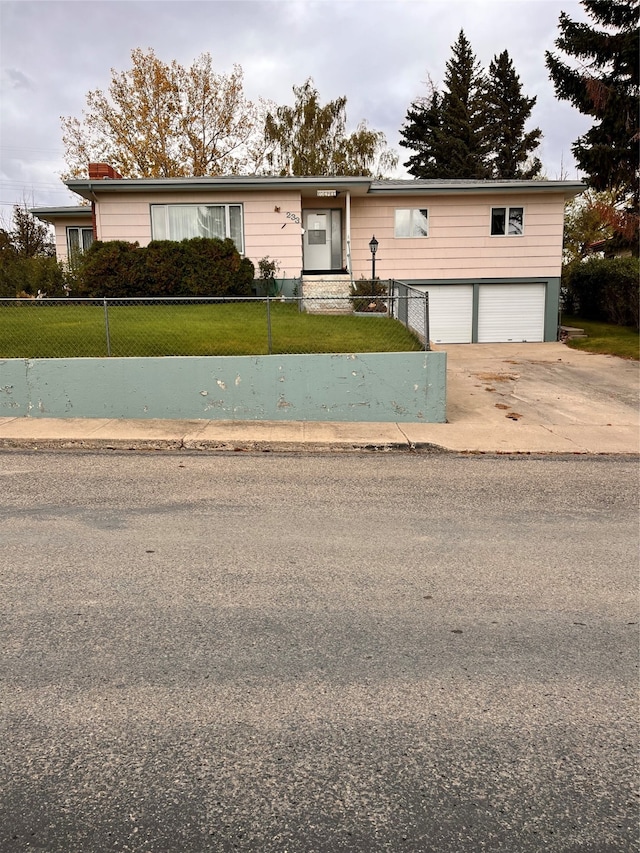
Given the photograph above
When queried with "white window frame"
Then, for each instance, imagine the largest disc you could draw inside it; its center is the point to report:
(424, 211)
(507, 209)
(160, 209)
(80, 247)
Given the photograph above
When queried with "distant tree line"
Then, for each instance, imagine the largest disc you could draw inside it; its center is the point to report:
(162, 120)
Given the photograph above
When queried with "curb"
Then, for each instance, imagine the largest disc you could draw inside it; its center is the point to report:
(283, 447)
(177, 445)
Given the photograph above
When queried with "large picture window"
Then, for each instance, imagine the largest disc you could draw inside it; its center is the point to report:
(507, 221)
(412, 222)
(78, 240)
(185, 221)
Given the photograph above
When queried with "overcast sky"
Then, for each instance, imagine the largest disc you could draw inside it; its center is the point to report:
(378, 53)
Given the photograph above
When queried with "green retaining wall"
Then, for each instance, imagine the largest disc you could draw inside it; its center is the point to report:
(399, 387)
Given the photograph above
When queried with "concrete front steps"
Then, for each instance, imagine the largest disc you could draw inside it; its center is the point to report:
(326, 293)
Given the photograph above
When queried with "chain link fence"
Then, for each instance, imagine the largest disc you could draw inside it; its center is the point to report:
(103, 328)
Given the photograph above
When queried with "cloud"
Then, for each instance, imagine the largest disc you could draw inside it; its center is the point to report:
(15, 79)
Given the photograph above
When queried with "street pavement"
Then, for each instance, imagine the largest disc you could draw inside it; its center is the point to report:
(432, 653)
(502, 398)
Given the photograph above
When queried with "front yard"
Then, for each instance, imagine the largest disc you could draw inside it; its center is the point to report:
(43, 329)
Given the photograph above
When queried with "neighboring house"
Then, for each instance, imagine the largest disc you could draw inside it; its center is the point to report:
(608, 248)
(488, 252)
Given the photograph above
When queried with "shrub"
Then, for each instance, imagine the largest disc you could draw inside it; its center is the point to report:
(215, 268)
(365, 296)
(31, 276)
(198, 267)
(113, 269)
(267, 278)
(605, 289)
(164, 263)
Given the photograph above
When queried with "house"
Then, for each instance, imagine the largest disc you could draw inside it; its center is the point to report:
(489, 253)
(608, 248)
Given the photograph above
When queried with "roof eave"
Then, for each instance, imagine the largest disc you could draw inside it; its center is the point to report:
(568, 188)
(89, 188)
(50, 214)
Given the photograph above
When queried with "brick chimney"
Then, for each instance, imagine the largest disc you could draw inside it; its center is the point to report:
(100, 171)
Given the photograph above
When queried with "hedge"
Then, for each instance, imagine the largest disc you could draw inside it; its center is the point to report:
(198, 267)
(604, 289)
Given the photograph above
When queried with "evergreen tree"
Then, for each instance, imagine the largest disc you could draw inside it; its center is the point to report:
(604, 83)
(423, 134)
(447, 130)
(463, 119)
(475, 127)
(508, 110)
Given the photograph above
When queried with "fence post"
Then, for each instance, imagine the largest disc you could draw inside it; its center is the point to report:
(269, 347)
(427, 345)
(106, 327)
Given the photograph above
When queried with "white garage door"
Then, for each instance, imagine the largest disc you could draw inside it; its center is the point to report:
(450, 313)
(511, 312)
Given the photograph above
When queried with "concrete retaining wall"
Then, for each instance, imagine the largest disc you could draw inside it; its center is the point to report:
(399, 387)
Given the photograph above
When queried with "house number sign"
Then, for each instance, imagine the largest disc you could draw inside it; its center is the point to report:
(293, 217)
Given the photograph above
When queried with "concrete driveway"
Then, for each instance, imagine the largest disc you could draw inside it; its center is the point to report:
(545, 385)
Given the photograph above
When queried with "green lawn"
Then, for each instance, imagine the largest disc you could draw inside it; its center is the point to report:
(605, 338)
(31, 329)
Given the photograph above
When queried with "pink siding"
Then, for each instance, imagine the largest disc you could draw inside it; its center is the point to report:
(459, 244)
(60, 227)
(267, 230)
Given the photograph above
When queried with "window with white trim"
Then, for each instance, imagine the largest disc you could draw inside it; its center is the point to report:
(78, 239)
(186, 221)
(507, 221)
(412, 222)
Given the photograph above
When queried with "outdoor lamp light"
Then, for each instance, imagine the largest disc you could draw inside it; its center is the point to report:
(373, 246)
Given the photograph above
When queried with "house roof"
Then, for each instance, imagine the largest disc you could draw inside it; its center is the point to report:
(312, 186)
(51, 214)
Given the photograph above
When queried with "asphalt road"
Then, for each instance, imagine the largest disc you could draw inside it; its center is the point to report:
(318, 653)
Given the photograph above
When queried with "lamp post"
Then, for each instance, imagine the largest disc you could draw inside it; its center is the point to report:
(373, 247)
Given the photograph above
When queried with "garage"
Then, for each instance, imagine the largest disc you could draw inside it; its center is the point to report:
(450, 313)
(511, 313)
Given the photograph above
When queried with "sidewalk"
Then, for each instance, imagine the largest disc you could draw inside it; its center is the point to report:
(45, 433)
(504, 398)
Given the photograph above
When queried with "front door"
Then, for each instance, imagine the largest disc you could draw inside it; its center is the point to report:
(322, 244)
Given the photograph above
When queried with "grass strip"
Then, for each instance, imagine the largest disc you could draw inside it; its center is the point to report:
(604, 338)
